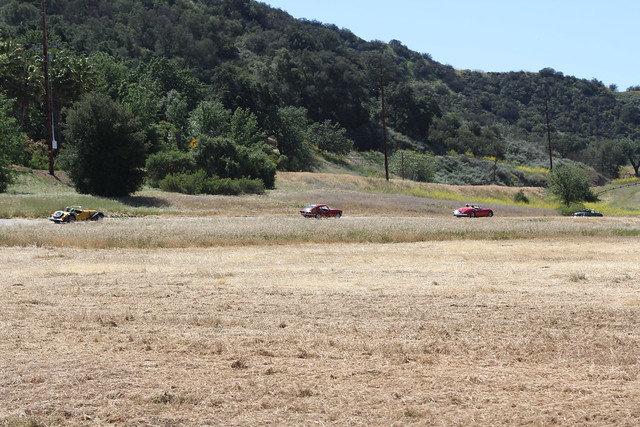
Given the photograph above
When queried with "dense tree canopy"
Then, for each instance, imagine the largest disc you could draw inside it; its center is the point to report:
(188, 69)
(105, 149)
(570, 184)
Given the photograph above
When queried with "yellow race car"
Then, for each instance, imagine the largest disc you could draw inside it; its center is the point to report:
(76, 213)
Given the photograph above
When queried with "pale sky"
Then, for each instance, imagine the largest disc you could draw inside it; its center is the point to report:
(582, 38)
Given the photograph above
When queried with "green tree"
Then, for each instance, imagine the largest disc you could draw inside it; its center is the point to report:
(104, 152)
(631, 150)
(570, 184)
(145, 98)
(412, 165)
(330, 137)
(245, 129)
(209, 118)
(12, 140)
(176, 120)
(410, 112)
(22, 79)
(606, 156)
(12, 143)
(291, 134)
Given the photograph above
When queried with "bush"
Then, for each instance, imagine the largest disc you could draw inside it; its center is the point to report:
(520, 197)
(233, 187)
(222, 157)
(199, 183)
(161, 164)
(186, 183)
(568, 210)
(412, 165)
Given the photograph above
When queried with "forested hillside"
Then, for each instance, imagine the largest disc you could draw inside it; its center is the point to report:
(251, 84)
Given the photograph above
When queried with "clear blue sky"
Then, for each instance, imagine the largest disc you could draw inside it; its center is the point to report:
(582, 38)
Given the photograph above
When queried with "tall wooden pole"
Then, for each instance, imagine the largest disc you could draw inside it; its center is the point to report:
(47, 89)
(546, 109)
(383, 117)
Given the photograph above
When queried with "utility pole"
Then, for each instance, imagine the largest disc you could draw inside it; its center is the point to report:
(546, 110)
(383, 117)
(47, 89)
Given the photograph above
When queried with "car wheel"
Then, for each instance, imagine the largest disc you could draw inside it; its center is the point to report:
(338, 215)
(72, 218)
(472, 215)
(490, 214)
(318, 216)
(98, 216)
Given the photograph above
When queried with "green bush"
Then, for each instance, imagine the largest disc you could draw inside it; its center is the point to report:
(186, 183)
(199, 183)
(163, 163)
(413, 165)
(222, 157)
(520, 197)
(568, 210)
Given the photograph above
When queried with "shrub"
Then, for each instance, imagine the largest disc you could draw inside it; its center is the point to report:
(222, 157)
(163, 163)
(520, 197)
(567, 210)
(199, 183)
(186, 183)
(412, 165)
(233, 187)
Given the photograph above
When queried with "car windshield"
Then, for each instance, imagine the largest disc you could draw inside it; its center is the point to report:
(310, 207)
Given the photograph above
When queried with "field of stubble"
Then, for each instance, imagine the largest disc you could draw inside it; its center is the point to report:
(358, 321)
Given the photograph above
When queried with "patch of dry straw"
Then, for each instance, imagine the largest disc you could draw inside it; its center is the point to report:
(435, 332)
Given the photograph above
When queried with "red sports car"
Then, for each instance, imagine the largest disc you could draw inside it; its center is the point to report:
(320, 211)
(472, 211)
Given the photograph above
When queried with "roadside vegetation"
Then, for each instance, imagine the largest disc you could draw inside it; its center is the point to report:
(246, 91)
(35, 194)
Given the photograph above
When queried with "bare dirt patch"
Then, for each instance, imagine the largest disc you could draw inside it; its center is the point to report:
(437, 332)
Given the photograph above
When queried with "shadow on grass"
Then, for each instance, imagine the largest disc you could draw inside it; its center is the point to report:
(143, 201)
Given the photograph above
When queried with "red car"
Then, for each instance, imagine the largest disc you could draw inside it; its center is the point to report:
(472, 211)
(320, 211)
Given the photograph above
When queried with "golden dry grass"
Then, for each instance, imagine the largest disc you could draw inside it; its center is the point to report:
(538, 327)
(180, 232)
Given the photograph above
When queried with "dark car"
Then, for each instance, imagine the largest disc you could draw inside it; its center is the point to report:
(586, 212)
(472, 211)
(320, 211)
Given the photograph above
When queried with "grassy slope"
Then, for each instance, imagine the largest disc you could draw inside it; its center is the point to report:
(37, 194)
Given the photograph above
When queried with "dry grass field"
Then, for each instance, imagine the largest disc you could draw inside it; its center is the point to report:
(285, 321)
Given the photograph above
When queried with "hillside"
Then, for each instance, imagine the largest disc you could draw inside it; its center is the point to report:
(164, 58)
